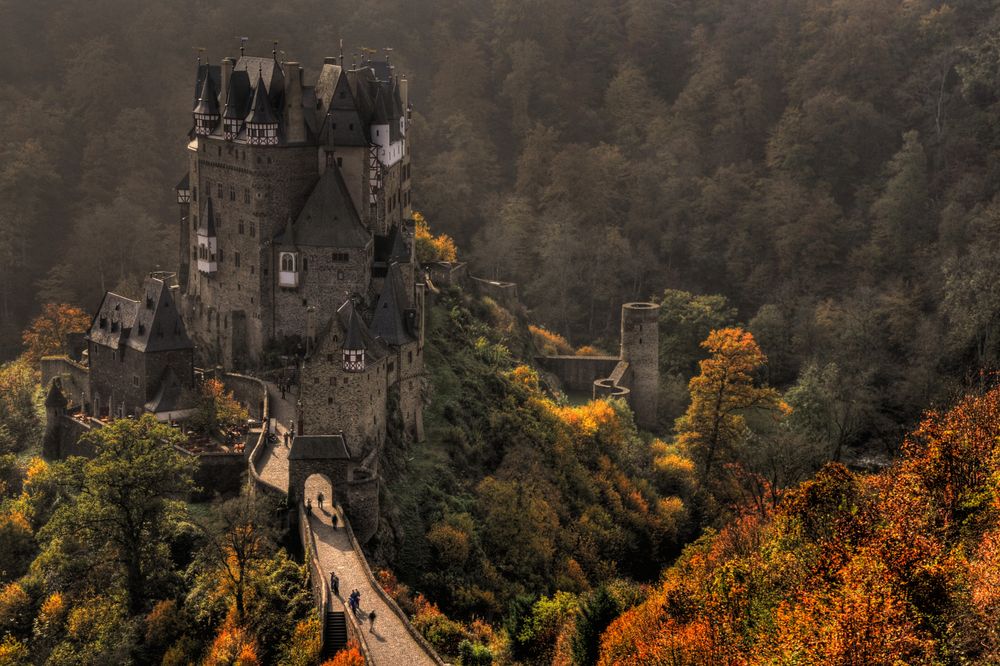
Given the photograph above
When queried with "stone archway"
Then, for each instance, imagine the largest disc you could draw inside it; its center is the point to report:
(318, 490)
(322, 455)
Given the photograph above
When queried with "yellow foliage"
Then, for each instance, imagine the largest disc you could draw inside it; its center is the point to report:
(13, 652)
(587, 419)
(550, 343)
(451, 543)
(47, 333)
(430, 247)
(15, 604)
(306, 644)
(525, 376)
(589, 350)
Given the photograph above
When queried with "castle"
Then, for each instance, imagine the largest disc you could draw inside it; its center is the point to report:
(296, 242)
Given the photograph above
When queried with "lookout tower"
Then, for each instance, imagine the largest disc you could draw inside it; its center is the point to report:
(640, 348)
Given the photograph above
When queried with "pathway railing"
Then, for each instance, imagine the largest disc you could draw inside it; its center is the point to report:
(389, 601)
(325, 599)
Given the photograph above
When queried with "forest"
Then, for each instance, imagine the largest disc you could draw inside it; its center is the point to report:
(808, 188)
(827, 167)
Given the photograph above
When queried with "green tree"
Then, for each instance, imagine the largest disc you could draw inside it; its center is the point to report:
(121, 503)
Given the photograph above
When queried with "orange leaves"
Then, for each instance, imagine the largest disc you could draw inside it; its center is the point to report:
(549, 343)
(233, 646)
(350, 656)
(47, 333)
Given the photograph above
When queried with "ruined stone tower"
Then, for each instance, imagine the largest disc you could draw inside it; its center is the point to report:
(640, 348)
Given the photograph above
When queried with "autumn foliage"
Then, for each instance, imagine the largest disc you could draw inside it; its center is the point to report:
(430, 247)
(350, 656)
(895, 567)
(47, 333)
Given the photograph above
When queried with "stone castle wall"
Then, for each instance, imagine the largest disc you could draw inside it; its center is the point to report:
(334, 400)
(577, 373)
(324, 285)
(276, 180)
(75, 378)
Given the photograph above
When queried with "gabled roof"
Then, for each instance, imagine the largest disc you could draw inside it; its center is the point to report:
(113, 322)
(343, 125)
(158, 325)
(208, 97)
(328, 218)
(185, 183)
(318, 447)
(152, 325)
(389, 322)
(206, 225)
(261, 112)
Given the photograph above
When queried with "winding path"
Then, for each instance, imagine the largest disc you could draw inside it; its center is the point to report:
(389, 642)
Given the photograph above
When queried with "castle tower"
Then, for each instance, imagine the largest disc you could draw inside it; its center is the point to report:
(640, 348)
(55, 410)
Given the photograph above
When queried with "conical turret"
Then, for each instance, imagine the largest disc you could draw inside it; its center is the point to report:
(206, 111)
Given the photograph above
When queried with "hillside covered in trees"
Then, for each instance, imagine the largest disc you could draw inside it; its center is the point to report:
(829, 167)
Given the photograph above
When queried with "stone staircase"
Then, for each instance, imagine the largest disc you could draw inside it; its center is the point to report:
(334, 634)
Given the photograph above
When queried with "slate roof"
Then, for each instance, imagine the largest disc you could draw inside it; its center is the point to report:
(169, 396)
(208, 97)
(261, 112)
(212, 71)
(328, 218)
(151, 325)
(268, 70)
(158, 326)
(113, 322)
(238, 96)
(389, 322)
(355, 338)
(206, 225)
(318, 447)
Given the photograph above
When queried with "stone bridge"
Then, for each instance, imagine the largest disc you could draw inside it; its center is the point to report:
(334, 549)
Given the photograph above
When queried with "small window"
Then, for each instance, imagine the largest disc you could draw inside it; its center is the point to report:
(232, 193)
(252, 230)
(409, 357)
(241, 227)
(236, 259)
(220, 184)
(329, 400)
(329, 358)
(135, 380)
(305, 263)
(246, 194)
(305, 301)
(287, 262)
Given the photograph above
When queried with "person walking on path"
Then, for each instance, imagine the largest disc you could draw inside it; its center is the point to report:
(371, 621)
(309, 505)
(335, 584)
(319, 500)
(333, 519)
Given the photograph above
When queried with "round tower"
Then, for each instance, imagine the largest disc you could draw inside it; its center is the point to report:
(641, 349)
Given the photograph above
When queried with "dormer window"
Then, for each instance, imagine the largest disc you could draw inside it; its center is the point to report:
(288, 273)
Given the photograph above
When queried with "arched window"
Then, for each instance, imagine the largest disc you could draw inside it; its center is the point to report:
(288, 262)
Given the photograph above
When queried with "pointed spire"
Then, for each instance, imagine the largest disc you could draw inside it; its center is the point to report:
(355, 339)
(261, 112)
(208, 97)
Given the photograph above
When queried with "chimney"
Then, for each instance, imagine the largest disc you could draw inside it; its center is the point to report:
(404, 97)
(330, 60)
(227, 73)
(295, 127)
